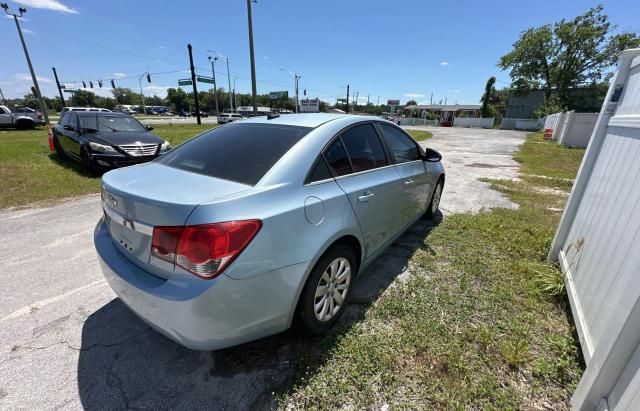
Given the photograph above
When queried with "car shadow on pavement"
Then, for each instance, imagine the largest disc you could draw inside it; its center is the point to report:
(125, 364)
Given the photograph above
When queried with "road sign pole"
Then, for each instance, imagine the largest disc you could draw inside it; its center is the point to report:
(193, 79)
(55, 74)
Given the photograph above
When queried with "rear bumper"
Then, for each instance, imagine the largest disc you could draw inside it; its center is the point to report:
(202, 314)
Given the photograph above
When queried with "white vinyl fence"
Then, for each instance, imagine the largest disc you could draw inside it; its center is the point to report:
(598, 247)
(521, 124)
(577, 128)
(473, 122)
(418, 122)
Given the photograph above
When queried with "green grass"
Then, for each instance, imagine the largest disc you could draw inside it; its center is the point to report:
(555, 161)
(29, 173)
(479, 324)
(420, 135)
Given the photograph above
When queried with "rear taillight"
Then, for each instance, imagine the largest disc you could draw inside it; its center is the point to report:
(40, 117)
(204, 250)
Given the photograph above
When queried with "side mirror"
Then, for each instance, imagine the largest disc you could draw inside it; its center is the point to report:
(69, 127)
(149, 127)
(432, 156)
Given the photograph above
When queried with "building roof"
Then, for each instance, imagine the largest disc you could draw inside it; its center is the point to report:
(443, 107)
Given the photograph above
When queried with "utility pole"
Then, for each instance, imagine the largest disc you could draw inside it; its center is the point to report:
(445, 101)
(378, 101)
(55, 75)
(297, 78)
(253, 63)
(4, 101)
(431, 99)
(215, 88)
(144, 108)
(355, 107)
(229, 79)
(347, 99)
(193, 80)
(23, 10)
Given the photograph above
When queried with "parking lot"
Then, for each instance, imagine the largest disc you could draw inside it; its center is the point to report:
(67, 342)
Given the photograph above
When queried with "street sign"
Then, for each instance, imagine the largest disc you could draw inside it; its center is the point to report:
(342, 100)
(185, 82)
(278, 95)
(393, 102)
(310, 105)
(62, 86)
(68, 90)
(203, 79)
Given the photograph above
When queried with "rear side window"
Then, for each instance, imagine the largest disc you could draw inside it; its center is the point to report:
(337, 158)
(403, 148)
(364, 148)
(237, 152)
(319, 172)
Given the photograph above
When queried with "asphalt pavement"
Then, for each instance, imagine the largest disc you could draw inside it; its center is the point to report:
(67, 342)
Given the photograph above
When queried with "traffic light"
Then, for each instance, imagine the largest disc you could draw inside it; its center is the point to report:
(305, 91)
(113, 84)
(84, 85)
(148, 78)
(91, 84)
(100, 83)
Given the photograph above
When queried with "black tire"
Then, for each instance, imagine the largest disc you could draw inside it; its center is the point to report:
(431, 210)
(25, 125)
(86, 160)
(306, 312)
(58, 148)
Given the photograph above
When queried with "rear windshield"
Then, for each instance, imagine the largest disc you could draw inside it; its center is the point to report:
(237, 152)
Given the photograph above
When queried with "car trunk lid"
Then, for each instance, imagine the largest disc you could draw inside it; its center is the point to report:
(136, 199)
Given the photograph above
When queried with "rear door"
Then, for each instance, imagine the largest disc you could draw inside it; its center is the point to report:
(5, 117)
(363, 170)
(417, 182)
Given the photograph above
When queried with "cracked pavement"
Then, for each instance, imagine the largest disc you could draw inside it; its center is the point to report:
(67, 342)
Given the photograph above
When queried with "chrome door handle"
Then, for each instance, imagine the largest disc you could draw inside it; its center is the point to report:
(365, 196)
(407, 182)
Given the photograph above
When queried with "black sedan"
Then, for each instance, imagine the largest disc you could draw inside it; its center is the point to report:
(105, 140)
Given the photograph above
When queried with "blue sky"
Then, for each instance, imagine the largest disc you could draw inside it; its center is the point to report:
(395, 50)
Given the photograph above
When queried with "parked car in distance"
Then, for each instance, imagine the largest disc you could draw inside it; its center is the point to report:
(24, 110)
(224, 118)
(21, 120)
(202, 114)
(102, 140)
(240, 231)
(99, 109)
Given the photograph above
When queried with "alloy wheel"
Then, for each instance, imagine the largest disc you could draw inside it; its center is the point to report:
(332, 289)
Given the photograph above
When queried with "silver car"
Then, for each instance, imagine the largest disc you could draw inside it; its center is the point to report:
(242, 230)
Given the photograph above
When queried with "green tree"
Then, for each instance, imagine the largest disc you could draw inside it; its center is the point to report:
(489, 92)
(566, 54)
(411, 103)
(125, 95)
(83, 98)
(178, 99)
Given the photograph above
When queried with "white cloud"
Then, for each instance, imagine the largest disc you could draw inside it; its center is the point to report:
(27, 78)
(47, 5)
(163, 47)
(265, 57)
(414, 95)
(6, 16)
(444, 63)
(453, 91)
(28, 31)
(161, 91)
(119, 75)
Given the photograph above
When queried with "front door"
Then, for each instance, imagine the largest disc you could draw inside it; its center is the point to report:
(417, 181)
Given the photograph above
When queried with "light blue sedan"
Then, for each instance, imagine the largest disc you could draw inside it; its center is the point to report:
(244, 229)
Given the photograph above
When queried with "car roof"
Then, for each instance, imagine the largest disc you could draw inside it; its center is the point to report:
(103, 113)
(307, 119)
